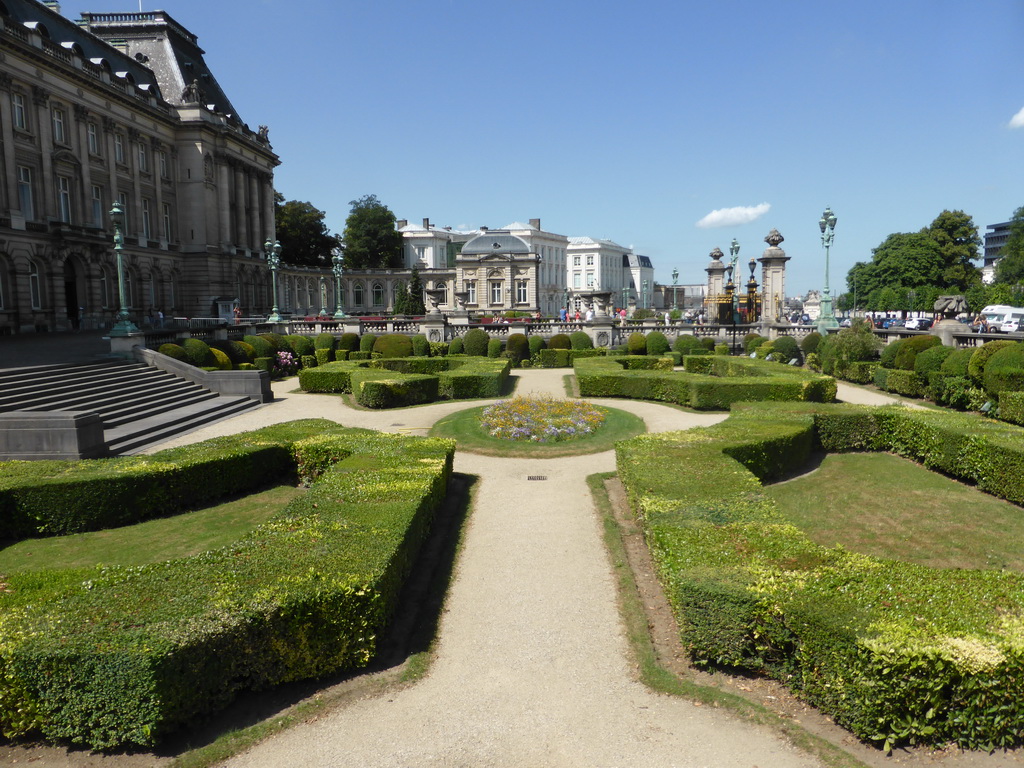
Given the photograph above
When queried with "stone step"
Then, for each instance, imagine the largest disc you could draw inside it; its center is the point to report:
(137, 435)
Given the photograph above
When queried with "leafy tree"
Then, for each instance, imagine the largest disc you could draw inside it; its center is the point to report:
(304, 237)
(888, 300)
(1010, 268)
(415, 294)
(957, 237)
(371, 240)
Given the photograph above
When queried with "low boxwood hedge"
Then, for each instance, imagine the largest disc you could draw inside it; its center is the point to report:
(896, 653)
(121, 656)
(375, 388)
(708, 382)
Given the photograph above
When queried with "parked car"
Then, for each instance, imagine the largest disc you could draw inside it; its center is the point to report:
(845, 323)
(919, 323)
(1010, 326)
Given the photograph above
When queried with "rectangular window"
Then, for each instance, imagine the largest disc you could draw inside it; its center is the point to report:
(92, 135)
(575, 261)
(64, 199)
(496, 292)
(25, 192)
(146, 229)
(590, 279)
(590, 259)
(576, 280)
(97, 205)
(143, 157)
(119, 148)
(521, 292)
(122, 198)
(58, 127)
(162, 162)
(471, 292)
(20, 114)
(167, 222)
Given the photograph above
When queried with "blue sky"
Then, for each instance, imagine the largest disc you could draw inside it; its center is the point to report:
(635, 121)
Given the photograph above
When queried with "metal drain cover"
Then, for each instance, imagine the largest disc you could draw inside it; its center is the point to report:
(536, 477)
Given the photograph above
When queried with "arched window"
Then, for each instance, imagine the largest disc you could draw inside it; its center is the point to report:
(35, 287)
(104, 288)
(378, 295)
(357, 295)
(397, 289)
(442, 286)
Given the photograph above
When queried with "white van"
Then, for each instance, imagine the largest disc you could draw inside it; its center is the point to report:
(997, 314)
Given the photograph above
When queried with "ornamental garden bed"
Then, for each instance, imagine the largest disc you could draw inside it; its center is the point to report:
(119, 656)
(894, 651)
(708, 382)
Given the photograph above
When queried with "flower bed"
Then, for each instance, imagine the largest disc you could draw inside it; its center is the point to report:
(541, 419)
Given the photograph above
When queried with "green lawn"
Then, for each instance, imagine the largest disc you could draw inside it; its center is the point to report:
(882, 505)
(152, 541)
(464, 427)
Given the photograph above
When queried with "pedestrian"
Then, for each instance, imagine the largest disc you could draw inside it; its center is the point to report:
(590, 314)
(237, 312)
(159, 318)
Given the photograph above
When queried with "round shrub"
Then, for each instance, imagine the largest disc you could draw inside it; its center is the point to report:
(494, 347)
(837, 351)
(456, 347)
(277, 341)
(324, 341)
(173, 350)
(300, 345)
(636, 344)
(752, 341)
(560, 341)
(348, 342)
(764, 350)
(956, 363)
(366, 342)
(888, 357)
(980, 358)
(221, 360)
(688, 345)
(810, 342)
(248, 350)
(234, 353)
(518, 348)
(709, 344)
(420, 346)
(197, 353)
(475, 342)
(786, 349)
(536, 345)
(930, 360)
(393, 345)
(1004, 371)
(262, 347)
(580, 340)
(904, 359)
(657, 343)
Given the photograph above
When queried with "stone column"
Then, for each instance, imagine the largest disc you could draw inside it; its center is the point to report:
(84, 207)
(254, 210)
(135, 140)
(773, 279)
(224, 201)
(44, 127)
(108, 137)
(10, 164)
(241, 240)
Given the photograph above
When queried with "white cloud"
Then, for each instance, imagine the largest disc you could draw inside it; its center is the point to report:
(1017, 121)
(741, 214)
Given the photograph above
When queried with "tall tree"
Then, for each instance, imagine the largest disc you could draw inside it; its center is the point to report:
(371, 239)
(304, 237)
(415, 291)
(1010, 268)
(958, 241)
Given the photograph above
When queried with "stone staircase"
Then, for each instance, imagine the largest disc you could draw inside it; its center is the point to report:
(139, 405)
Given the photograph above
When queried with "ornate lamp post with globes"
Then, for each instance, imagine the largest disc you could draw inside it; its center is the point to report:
(124, 325)
(827, 318)
(339, 269)
(675, 280)
(273, 251)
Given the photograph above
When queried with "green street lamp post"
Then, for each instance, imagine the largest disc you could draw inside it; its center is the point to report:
(124, 325)
(625, 298)
(643, 296)
(339, 269)
(273, 251)
(827, 318)
(323, 297)
(734, 253)
(675, 279)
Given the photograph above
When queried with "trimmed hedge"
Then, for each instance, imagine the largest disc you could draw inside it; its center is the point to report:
(518, 348)
(349, 342)
(580, 340)
(708, 382)
(981, 356)
(560, 341)
(494, 348)
(911, 348)
(456, 347)
(173, 350)
(1004, 371)
(197, 353)
(475, 342)
(657, 343)
(689, 345)
(636, 344)
(896, 653)
(420, 346)
(374, 388)
(121, 656)
(366, 342)
(536, 345)
(393, 345)
(262, 347)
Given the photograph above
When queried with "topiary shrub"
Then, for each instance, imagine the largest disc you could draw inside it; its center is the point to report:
(636, 344)
(393, 345)
(580, 340)
(235, 354)
(657, 343)
(956, 363)
(173, 350)
(475, 342)
(220, 360)
(348, 342)
(752, 341)
(888, 356)
(260, 345)
(930, 360)
(457, 346)
(709, 343)
(838, 352)
(308, 361)
(197, 353)
(721, 349)
(786, 349)
(325, 341)
(438, 348)
(560, 341)
(248, 350)
(277, 341)
(980, 358)
(366, 342)
(518, 348)
(536, 345)
(764, 351)
(810, 342)
(908, 352)
(1004, 371)
(300, 345)
(420, 346)
(688, 345)
(323, 356)
(494, 348)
